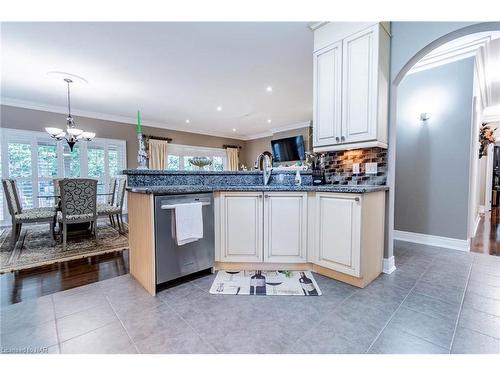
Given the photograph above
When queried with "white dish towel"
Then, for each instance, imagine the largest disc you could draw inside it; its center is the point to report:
(188, 222)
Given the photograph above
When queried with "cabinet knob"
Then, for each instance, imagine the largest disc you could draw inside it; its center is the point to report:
(342, 138)
(266, 196)
(337, 139)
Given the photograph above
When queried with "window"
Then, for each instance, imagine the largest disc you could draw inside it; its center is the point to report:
(95, 155)
(173, 162)
(179, 155)
(47, 170)
(34, 160)
(71, 161)
(20, 168)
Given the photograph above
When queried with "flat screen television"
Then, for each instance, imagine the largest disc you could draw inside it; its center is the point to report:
(288, 149)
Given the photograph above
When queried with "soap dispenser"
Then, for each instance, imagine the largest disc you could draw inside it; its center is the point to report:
(298, 178)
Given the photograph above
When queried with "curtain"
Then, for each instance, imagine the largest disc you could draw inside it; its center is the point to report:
(157, 154)
(232, 159)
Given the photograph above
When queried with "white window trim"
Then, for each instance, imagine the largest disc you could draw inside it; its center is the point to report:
(9, 135)
(186, 150)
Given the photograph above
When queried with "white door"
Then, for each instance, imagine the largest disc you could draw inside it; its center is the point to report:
(338, 232)
(241, 227)
(359, 86)
(285, 227)
(327, 95)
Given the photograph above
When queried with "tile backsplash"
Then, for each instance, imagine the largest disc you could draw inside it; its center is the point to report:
(338, 166)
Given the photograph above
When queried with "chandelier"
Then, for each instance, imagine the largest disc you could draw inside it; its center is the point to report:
(72, 134)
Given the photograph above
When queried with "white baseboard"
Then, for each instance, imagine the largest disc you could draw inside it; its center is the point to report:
(428, 239)
(388, 266)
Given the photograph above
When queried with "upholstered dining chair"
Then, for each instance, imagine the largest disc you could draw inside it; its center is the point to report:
(20, 216)
(78, 204)
(116, 208)
(57, 190)
(102, 208)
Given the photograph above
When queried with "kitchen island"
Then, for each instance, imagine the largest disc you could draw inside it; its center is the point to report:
(335, 230)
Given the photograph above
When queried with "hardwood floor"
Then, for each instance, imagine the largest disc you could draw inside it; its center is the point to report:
(487, 239)
(27, 284)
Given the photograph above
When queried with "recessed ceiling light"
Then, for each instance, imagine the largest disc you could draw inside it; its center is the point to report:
(268, 120)
(219, 108)
(187, 121)
(269, 88)
(234, 129)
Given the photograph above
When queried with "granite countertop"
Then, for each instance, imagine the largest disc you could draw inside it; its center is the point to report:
(223, 173)
(183, 189)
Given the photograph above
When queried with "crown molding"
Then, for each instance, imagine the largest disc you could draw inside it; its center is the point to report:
(316, 25)
(271, 132)
(456, 52)
(132, 120)
(298, 125)
(109, 117)
(259, 135)
(491, 114)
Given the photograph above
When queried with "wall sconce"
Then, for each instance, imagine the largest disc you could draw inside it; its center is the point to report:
(424, 116)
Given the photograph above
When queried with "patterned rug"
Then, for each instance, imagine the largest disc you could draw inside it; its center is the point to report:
(269, 283)
(36, 248)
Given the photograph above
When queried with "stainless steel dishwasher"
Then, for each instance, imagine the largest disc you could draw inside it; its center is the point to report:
(173, 261)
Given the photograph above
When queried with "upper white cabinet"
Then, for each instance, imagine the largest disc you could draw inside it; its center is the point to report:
(240, 215)
(285, 227)
(351, 78)
(327, 93)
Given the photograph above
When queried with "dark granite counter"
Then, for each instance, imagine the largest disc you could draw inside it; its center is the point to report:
(183, 182)
(186, 189)
(207, 173)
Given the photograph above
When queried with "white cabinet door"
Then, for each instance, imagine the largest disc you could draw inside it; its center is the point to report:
(359, 86)
(327, 95)
(241, 227)
(285, 227)
(338, 232)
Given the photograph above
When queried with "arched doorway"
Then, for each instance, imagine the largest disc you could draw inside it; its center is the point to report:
(390, 209)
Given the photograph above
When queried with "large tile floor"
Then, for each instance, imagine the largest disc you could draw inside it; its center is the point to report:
(437, 301)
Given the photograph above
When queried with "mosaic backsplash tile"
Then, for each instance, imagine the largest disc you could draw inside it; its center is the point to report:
(338, 166)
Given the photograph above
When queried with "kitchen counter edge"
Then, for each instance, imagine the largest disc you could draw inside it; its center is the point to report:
(185, 189)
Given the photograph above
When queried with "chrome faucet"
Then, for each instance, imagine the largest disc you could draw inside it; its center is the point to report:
(267, 167)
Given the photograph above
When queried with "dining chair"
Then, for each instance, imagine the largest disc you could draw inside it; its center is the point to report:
(78, 205)
(19, 216)
(57, 190)
(116, 208)
(103, 208)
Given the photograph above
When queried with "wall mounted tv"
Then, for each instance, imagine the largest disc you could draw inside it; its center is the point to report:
(288, 149)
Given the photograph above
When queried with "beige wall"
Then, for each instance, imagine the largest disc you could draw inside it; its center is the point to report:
(255, 147)
(29, 119)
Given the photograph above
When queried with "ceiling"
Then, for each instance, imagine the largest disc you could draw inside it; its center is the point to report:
(171, 71)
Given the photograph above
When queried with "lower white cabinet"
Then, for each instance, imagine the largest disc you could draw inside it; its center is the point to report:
(262, 227)
(338, 232)
(340, 235)
(241, 228)
(285, 227)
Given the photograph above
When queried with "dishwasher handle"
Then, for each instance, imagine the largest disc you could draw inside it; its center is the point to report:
(172, 206)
